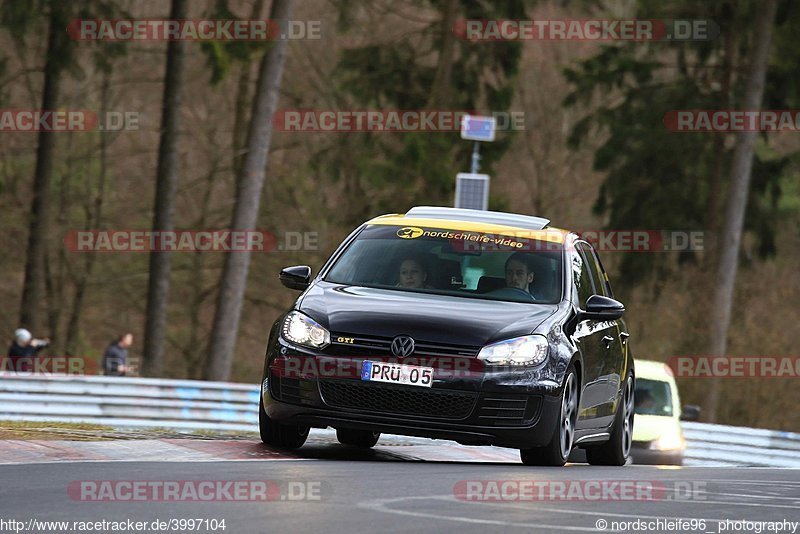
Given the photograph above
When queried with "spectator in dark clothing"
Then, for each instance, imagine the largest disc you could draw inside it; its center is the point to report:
(116, 356)
(23, 350)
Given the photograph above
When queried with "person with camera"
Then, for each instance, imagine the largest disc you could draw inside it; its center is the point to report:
(115, 359)
(24, 350)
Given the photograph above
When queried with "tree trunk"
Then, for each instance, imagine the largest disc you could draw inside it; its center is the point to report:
(248, 197)
(739, 190)
(166, 191)
(441, 81)
(33, 290)
(240, 119)
(715, 189)
(242, 101)
(94, 219)
(194, 355)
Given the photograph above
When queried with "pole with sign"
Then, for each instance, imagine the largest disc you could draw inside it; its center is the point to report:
(472, 189)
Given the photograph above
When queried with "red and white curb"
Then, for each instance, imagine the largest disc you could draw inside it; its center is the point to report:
(321, 445)
(156, 450)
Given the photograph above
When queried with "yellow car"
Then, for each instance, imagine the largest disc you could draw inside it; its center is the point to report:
(657, 435)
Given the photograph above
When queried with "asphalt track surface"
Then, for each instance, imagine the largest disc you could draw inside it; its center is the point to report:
(403, 485)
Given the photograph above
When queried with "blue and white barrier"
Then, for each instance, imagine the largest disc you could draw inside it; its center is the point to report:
(123, 402)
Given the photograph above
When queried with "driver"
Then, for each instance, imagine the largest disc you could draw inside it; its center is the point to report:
(519, 272)
(412, 274)
(644, 401)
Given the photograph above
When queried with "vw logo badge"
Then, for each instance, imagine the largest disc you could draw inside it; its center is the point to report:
(402, 346)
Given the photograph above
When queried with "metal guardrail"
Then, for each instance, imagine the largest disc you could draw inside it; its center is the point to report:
(129, 402)
(124, 402)
(734, 445)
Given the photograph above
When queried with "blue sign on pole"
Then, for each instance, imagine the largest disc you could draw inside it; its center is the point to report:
(475, 128)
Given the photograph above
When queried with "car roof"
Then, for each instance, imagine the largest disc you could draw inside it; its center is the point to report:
(652, 370)
(529, 222)
(474, 220)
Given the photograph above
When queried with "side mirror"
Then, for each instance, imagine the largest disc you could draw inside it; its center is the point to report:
(297, 277)
(600, 307)
(690, 413)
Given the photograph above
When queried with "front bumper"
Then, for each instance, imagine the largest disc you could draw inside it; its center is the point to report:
(643, 455)
(508, 410)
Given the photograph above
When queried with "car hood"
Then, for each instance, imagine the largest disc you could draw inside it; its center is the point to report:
(433, 318)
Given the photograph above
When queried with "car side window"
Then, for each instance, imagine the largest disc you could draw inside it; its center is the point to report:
(598, 275)
(582, 278)
(607, 283)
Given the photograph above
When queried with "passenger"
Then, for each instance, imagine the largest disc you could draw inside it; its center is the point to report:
(412, 274)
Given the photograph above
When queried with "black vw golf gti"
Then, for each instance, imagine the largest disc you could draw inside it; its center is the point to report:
(481, 327)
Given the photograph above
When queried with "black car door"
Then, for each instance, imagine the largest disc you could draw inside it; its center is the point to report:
(614, 338)
(588, 337)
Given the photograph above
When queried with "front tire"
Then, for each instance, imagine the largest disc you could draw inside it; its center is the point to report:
(617, 450)
(556, 452)
(279, 435)
(363, 439)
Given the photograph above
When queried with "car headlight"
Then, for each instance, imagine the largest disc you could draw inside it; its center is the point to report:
(525, 350)
(669, 441)
(305, 331)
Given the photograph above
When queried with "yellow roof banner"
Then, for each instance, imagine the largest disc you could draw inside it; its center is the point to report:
(552, 235)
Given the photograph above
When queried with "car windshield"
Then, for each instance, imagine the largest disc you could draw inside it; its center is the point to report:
(518, 268)
(653, 397)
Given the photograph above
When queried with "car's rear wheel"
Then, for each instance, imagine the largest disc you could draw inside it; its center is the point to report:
(278, 434)
(557, 451)
(364, 439)
(617, 450)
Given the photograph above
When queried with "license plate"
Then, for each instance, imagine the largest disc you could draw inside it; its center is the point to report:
(395, 373)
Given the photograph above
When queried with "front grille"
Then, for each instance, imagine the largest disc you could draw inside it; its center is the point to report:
(380, 346)
(397, 400)
(508, 411)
